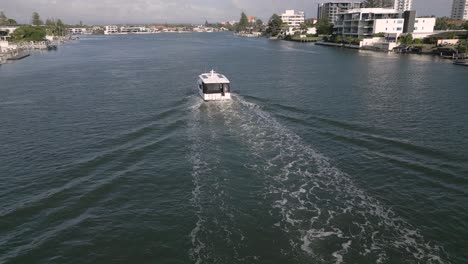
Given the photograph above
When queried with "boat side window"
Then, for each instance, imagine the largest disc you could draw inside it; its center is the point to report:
(211, 88)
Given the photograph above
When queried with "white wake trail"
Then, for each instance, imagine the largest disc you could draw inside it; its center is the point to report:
(327, 215)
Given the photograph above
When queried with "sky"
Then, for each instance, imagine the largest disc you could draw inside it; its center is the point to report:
(174, 11)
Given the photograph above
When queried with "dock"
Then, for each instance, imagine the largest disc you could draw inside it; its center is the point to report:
(461, 62)
(19, 56)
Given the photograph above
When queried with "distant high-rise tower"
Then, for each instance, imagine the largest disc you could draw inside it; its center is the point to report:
(460, 9)
(403, 5)
(330, 10)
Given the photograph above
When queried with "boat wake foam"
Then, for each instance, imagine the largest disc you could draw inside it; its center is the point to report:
(324, 214)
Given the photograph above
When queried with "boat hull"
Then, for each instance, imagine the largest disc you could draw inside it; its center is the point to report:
(461, 63)
(215, 96)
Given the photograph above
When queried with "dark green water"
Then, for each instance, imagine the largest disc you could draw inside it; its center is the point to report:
(325, 155)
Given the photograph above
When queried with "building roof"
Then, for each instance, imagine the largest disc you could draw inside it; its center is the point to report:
(213, 77)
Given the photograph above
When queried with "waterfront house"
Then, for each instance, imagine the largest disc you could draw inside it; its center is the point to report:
(6, 31)
(365, 22)
(77, 31)
(389, 24)
(133, 29)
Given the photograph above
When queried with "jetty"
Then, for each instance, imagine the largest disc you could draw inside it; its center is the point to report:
(18, 56)
(343, 45)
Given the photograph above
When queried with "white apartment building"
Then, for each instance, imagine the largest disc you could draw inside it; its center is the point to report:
(460, 9)
(77, 31)
(403, 5)
(424, 25)
(111, 30)
(292, 18)
(365, 22)
(133, 29)
(330, 10)
(389, 26)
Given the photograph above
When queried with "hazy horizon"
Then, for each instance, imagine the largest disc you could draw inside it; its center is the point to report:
(176, 11)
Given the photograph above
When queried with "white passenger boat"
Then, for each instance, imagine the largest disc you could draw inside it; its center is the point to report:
(214, 86)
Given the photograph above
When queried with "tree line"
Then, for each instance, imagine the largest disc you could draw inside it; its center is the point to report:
(445, 23)
(5, 21)
(37, 30)
(244, 25)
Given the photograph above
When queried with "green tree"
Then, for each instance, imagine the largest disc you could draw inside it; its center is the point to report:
(3, 18)
(465, 25)
(60, 26)
(36, 19)
(50, 22)
(387, 3)
(243, 22)
(451, 35)
(11, 21)
(441, 23)
(348, 40)
(324, 27)
(339, 39)
(378, 3)
(406, 39)
(274, 25)
(259, 25)
(55, 27)
(371, 3)
(29, 33)
(462, 46)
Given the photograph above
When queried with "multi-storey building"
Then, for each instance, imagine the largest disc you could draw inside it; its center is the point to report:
(132, 29)
(365, 22)
(460, 9)
(403, 5)
(77, 31)
(330, 10)
(293, 18)
(111, 30)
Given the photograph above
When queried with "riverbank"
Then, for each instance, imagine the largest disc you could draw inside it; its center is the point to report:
(11, 51)
(303, 39)
(350, 46)
(425, 50)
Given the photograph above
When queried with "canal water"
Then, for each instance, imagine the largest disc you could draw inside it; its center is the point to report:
(325, 155)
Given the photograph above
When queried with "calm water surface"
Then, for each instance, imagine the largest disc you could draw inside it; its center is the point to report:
(325, 155)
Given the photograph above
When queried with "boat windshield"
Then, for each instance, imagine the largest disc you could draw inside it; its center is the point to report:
(216, 88)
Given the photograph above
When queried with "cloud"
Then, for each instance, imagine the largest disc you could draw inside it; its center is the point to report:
(172, 11)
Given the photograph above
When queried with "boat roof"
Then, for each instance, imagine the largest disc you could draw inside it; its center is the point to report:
(213, 77)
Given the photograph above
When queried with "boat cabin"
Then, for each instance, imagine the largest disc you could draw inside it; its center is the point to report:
(214, 86)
